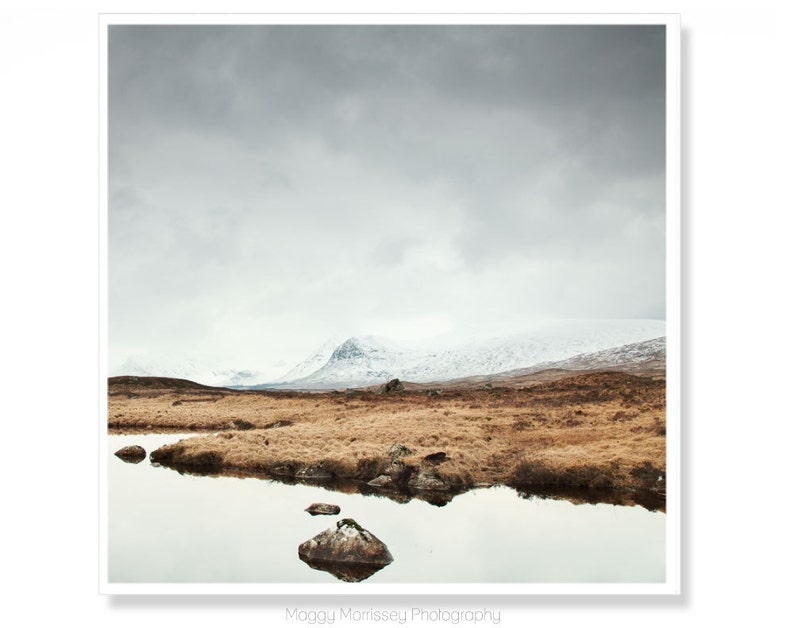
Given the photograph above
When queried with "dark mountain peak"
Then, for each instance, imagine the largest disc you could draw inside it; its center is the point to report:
(357, 348)
(350, 349)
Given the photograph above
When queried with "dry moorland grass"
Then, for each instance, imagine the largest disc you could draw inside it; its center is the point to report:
(595, 430)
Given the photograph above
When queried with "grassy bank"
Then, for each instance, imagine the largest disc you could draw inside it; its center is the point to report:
(594, 430)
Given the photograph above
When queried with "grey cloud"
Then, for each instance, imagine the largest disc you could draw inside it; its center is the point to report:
(281, 168)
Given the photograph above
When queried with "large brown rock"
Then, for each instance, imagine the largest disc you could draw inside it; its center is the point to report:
(348, 551)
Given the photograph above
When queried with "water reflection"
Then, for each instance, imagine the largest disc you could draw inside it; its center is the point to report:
(652, 501)
(339, 485)
(170, 527)
(343, 571)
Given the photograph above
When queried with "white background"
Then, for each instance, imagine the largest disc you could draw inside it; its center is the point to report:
(737, 417)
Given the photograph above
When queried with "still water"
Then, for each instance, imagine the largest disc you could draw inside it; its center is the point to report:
(167, 527)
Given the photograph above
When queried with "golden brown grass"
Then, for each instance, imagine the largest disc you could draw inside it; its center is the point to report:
(604, 430)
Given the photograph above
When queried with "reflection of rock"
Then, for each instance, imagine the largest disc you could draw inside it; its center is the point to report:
(132, 453)
(349, 552)
(323, 509)
(435, 498)
(314, 472)
(343, 571)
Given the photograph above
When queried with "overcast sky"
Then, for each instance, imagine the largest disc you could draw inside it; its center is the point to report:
(271, 186)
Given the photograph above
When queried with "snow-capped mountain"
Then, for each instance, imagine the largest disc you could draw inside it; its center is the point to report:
(191, 368)
(314, 362)
(362, 361)
(646, 355)
(367, 359)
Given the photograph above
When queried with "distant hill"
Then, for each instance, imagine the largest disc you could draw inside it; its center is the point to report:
(132, 383)
(368, 360)
(647, 358)
(189, 368)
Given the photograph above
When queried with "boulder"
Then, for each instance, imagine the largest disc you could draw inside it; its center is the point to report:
(428, 481)
(239, 424)
(394, 385)
(132, 453)
(381, 480)
(435, 458)
(323, 509)
(275, 424)
(395, 470)
(347, 551)
(397, 451)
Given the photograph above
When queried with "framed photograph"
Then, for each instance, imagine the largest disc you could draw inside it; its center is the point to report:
(391, 303)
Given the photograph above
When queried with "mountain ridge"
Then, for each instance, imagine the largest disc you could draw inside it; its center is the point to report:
(368, 360)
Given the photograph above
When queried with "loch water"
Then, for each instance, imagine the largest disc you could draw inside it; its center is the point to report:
(168, 527)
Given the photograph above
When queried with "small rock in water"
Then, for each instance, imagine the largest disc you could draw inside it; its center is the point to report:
(132, 453)
(323, 509)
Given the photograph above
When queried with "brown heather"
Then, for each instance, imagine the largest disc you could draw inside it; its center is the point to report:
(594, 430)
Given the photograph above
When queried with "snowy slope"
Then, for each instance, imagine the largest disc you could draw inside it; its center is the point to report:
(362, 361)
(314, 362)
(649, 354)
(359, 361)
(191, 368)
